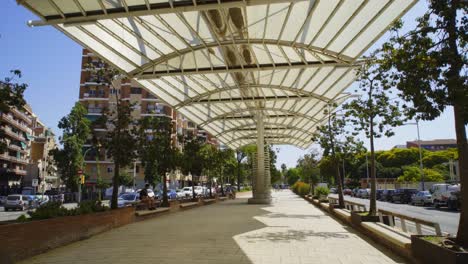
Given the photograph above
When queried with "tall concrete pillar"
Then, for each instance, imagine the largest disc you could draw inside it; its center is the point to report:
(261, 192)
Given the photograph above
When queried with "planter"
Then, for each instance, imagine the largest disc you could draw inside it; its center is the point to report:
(427, 252)
(35, 237)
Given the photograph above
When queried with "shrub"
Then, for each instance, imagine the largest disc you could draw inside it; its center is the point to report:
(55, 209)
(300, 188)
(49, 210)
(322, 190)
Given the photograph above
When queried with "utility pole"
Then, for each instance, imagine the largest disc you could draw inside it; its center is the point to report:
(420, 157)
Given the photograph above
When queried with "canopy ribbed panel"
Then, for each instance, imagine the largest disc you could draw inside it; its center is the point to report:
(221, 62)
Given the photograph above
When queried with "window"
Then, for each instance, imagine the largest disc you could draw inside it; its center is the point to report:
(109, 169)
(137, 169)
(135, 90)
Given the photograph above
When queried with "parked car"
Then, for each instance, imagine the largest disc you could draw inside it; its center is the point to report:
(347, 192)
(180, 193)
(387, 195)
(363, 193)
(333, 190)
(403, 195)
(454, 201)
(422, 197)
(171, 194)
(17, 201)
(187, 191)
(3, 200)
(355, 191)
(442, 192)
(128, 199)
(378, 194)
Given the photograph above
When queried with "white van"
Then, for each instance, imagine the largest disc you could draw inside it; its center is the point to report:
(441, 193)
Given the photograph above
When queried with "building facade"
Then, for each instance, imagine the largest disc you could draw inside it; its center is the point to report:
(98, 96)
(27, 155)
(433, 145)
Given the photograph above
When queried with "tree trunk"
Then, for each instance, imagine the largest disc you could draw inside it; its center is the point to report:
(115, 186)
(462, 146)
(340, 186)
(238, 175)
(373, 197)
(165, 201)
(193, 188)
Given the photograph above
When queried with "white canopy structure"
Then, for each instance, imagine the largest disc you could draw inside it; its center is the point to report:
(226, 64)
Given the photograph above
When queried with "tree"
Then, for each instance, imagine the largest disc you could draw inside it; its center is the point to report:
(292, 175)
(241, 154)
(283, 172)
(11, 96)
(191, 160)
(120, 142)
(374, 113)
(69, 159)
(413, 174)
(309, 170)
(210, 161)
(428, 66)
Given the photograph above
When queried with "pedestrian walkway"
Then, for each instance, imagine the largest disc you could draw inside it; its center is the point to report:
(289, 231)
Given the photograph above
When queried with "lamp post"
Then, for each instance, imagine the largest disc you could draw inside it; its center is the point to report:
(421, 168)
(82, 167)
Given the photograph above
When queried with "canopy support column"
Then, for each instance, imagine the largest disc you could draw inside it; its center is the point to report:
(261, 190)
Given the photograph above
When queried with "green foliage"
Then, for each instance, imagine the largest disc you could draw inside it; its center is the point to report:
(22, 218)
(322, 190)
(11, 96)
(69, 159)
(300, 188)
(55, 209)
(398, 157)
(308, 168)
(431, 159)
(126, 179)
(49, 210)
(292, 176)
(413, 174)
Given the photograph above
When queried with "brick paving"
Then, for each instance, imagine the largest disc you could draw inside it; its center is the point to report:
(289, 231)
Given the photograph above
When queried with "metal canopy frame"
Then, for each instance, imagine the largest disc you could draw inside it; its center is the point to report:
(225, 63)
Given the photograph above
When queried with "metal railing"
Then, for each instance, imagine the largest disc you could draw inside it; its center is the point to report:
(403, 219)
(351, 206)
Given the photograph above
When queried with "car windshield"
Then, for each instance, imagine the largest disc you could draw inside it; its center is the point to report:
(13, 198)
(425, 192)
(128, 196)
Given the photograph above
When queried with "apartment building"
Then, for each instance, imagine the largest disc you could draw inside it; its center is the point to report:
(97, 96)
(42, 165)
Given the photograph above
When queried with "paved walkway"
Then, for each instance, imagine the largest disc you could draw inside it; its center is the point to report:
(289, 231)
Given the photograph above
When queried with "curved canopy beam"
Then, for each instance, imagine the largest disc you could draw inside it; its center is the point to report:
(268, 126)
(232, 114)
(272, 137)
(283, 43)
(206, 95)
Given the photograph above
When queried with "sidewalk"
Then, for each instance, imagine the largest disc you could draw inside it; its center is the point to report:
(289, 231)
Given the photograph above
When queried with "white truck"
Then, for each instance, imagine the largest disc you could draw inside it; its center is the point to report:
(441, 193)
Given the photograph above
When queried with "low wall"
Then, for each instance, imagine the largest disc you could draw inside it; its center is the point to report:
(23, 240)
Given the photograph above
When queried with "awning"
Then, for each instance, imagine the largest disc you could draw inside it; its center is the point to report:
(222, 63)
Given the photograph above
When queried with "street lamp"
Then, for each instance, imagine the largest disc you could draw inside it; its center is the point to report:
(420, 153)
(82, 167)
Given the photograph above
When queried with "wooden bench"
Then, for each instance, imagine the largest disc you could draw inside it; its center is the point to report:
(143, 206)
(188, 205)
(152, 212)
(389, 234)
(209, 201)
(343, 214)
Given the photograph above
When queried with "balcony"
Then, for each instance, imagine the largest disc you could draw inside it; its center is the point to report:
(95, 110)
(94, 97)
(16, 124)
(23, 116)
(13, 159)
(16, 148)
(14, 135)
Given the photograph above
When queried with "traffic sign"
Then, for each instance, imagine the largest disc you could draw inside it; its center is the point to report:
(80, 172)
(35, 182)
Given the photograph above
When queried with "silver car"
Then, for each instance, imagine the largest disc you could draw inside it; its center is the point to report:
(422, 198)
(17, 201)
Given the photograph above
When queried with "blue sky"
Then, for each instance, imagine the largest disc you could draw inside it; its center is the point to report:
(51, 62)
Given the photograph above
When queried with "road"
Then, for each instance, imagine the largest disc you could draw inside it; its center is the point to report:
(12, 215)
(447, 219)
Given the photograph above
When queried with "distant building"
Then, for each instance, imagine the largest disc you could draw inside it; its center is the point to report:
(97, 96)
(399, 147)
(24, 160)
(433, 145)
